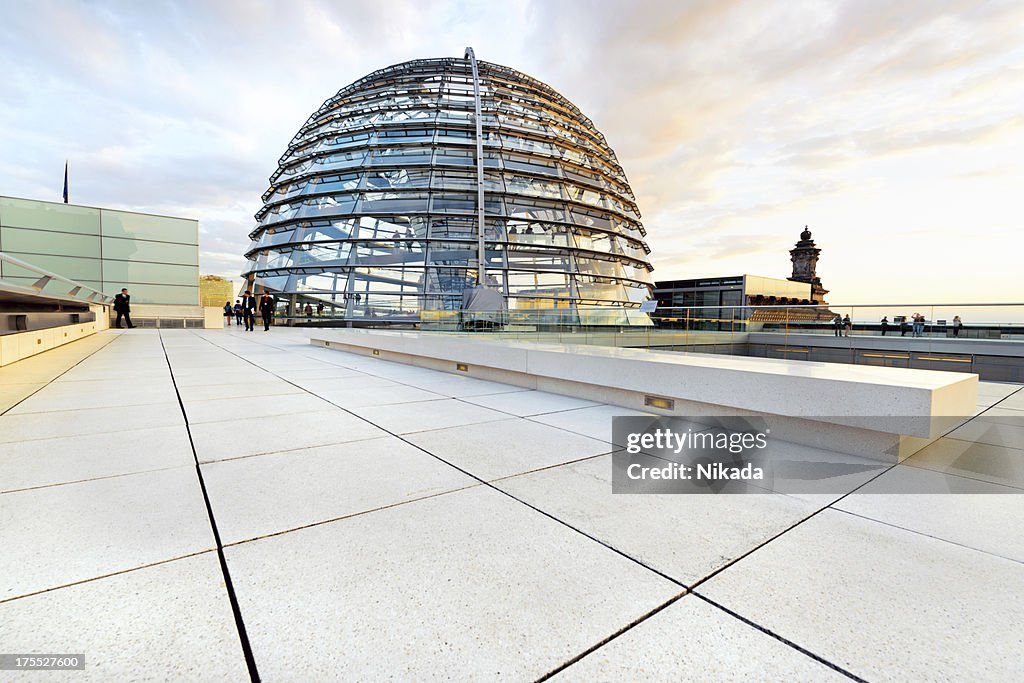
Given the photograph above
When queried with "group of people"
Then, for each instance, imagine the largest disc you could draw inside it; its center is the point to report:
(843, 325)
(244, 311)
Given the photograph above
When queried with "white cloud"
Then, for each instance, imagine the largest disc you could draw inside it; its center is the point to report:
(893, 128)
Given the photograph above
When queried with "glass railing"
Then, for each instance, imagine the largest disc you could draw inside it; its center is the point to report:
(47, 284)
(776, 331)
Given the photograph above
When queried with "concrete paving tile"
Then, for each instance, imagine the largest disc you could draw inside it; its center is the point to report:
(400, 372)
(595, 422)
(1016, 401)
(507, 447)
(223, 440)
(377, 396)
(469, 585)
(252, 407)
(525, 403)
(686, 536)
(969, 512)
(143, 372)
(461, 387)
(12, 394)
(62, 534)
(197, 378)
(271, 387)
(997, 389)
(994, 464)
(691, 640)
(172, 621)
(980, 430)
(881, 602)
(15, 428)
(417, 417)
(254, 497)
(1004, 416)
(816, 475)
(353, 384)
(98, 394)
(43, 462)
(323, 371)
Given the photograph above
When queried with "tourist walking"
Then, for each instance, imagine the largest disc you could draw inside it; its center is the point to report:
(123, 308)
(238, 312)
(885, 324)
(837, 325)
(229, 313)
(266, 310)
(249, 310)
(847, 325)
(957, 324)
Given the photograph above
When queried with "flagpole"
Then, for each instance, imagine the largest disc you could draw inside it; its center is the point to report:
(65, 181)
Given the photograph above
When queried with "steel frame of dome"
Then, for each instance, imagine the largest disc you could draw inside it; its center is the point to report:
(373, 210)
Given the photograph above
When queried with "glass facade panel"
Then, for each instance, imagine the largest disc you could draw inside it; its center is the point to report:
(145, 227)
(149, 273)
(71, 267)
(396, 232)
(157, 294)
(156, 252)
(24, 241)
(26, 213)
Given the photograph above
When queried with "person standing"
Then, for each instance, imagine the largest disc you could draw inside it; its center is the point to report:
(918, 325)
(904, 326)
(957, 324)
(249, 310)
(266, 310)
(229, 313)
(238, 312)
(320, 309)
(847, 325)
(885, 324)
(837, 324)
(123, 307)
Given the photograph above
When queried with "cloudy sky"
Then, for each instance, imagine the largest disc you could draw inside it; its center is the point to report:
(894, 128)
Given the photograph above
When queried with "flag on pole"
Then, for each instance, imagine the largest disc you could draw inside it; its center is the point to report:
(65, 181)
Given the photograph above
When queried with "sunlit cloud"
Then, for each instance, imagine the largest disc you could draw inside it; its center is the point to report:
(892, 128)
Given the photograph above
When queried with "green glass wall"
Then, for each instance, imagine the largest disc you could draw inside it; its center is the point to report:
(155, 257)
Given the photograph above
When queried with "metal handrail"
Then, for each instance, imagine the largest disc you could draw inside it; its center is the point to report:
(39, 285)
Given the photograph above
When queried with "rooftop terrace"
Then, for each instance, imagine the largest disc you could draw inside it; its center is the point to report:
(214, 505)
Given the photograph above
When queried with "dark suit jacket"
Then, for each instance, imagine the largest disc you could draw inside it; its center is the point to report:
(122, 303)
(249, 305)
(266, 305)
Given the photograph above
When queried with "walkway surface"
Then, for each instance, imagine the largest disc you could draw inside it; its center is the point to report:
(210, 505)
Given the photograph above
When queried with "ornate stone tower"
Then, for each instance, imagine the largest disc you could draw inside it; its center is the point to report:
(805, 265)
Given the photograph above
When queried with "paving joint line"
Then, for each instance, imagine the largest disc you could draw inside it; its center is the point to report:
(243, 636)
(489, 485)
(85, 481)
(935, 538)
(107, 575)
(782, 639)
(691, 589)
(597, 646)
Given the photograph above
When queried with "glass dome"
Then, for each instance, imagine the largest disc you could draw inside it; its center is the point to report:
(372, 212)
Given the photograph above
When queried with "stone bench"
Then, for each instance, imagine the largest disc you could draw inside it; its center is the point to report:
(881, 413)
